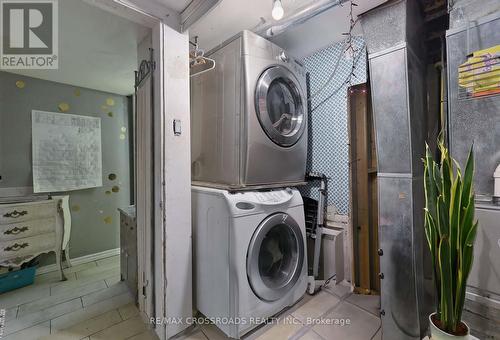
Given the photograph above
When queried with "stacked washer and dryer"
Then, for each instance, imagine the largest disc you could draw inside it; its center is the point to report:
(249, 149)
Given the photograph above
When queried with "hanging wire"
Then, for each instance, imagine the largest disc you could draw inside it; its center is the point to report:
(347, 46)
(329, 80)
(347, 81)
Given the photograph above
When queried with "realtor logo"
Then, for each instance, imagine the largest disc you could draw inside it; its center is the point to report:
(29, 34)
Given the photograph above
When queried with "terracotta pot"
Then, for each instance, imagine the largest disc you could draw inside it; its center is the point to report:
(438, 334)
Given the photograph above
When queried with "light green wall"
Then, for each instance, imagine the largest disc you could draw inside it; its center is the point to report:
(95, 219)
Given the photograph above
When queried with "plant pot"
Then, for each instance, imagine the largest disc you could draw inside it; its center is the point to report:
(439, 334)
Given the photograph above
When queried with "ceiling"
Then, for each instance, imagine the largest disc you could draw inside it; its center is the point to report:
(97, 49)
(229, 17)
(232, 16)
(326, 29)
(176, 5)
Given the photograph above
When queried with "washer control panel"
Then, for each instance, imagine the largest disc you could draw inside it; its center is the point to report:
(245, 202)
(273, 196)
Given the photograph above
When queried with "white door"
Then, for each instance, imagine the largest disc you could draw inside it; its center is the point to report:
(172, 163)
(164, 192)
(144, 199)
(164, 241)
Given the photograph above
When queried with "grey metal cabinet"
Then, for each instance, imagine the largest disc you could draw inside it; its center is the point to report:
(128, 248)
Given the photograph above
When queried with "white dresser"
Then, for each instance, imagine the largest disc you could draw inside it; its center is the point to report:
(29, 229)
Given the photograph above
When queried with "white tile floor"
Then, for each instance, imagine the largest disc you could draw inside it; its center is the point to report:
(332, 303)
(94, 304)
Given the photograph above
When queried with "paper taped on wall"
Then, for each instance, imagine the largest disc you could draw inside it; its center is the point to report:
(66, 151)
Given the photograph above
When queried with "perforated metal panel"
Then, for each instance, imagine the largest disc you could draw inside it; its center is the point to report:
(474, 120)
(328, 151)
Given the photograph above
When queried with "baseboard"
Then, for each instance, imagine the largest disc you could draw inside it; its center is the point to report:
(80, 260)
(484, 300)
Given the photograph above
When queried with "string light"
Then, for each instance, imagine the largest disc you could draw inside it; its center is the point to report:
(350, 48)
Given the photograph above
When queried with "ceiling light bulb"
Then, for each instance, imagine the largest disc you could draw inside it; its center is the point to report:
(278, 10)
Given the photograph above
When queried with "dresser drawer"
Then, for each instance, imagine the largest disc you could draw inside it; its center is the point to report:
(27, 246)
(17, 230)
(10, 213)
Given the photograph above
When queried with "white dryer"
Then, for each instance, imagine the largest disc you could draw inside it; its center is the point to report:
(249, 117)
(249, 255)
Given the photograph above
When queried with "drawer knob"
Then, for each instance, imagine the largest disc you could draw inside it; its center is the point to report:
(16, 246)
(15, 214)
(15, 231)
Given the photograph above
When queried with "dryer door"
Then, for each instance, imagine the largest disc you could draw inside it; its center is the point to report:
(275, 257)
(280, 106)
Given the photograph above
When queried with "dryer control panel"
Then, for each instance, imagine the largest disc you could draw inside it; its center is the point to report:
(292, 63)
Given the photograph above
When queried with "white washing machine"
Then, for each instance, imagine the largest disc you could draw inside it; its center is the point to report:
(249, 117)
(249, 255)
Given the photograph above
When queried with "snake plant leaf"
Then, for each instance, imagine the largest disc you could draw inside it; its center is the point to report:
(446, 175)
(455, 207)
(454, 216)
(467, 221)
(450, 230)
(429, 228)
(469, 248)
(433, 242)
(468, 256)
(442, 218)
(437, 178)
(468, 176)
(431, 234)
(429, 183)
(446, 304)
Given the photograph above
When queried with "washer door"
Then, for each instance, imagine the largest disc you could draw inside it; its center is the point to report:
(279, 105)
(275, 257)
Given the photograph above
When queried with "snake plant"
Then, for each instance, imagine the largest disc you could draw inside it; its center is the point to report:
(450, 230)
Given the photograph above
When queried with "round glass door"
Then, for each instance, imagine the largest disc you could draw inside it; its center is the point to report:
(279, 105)
(275, 257)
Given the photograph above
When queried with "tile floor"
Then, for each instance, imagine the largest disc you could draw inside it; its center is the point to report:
(91, 304)
(94, 304)
(332, 303)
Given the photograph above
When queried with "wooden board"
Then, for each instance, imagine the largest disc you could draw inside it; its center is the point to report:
(363, 189)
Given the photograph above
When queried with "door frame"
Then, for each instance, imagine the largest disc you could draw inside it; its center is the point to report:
(172, 231)
(171, 218)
